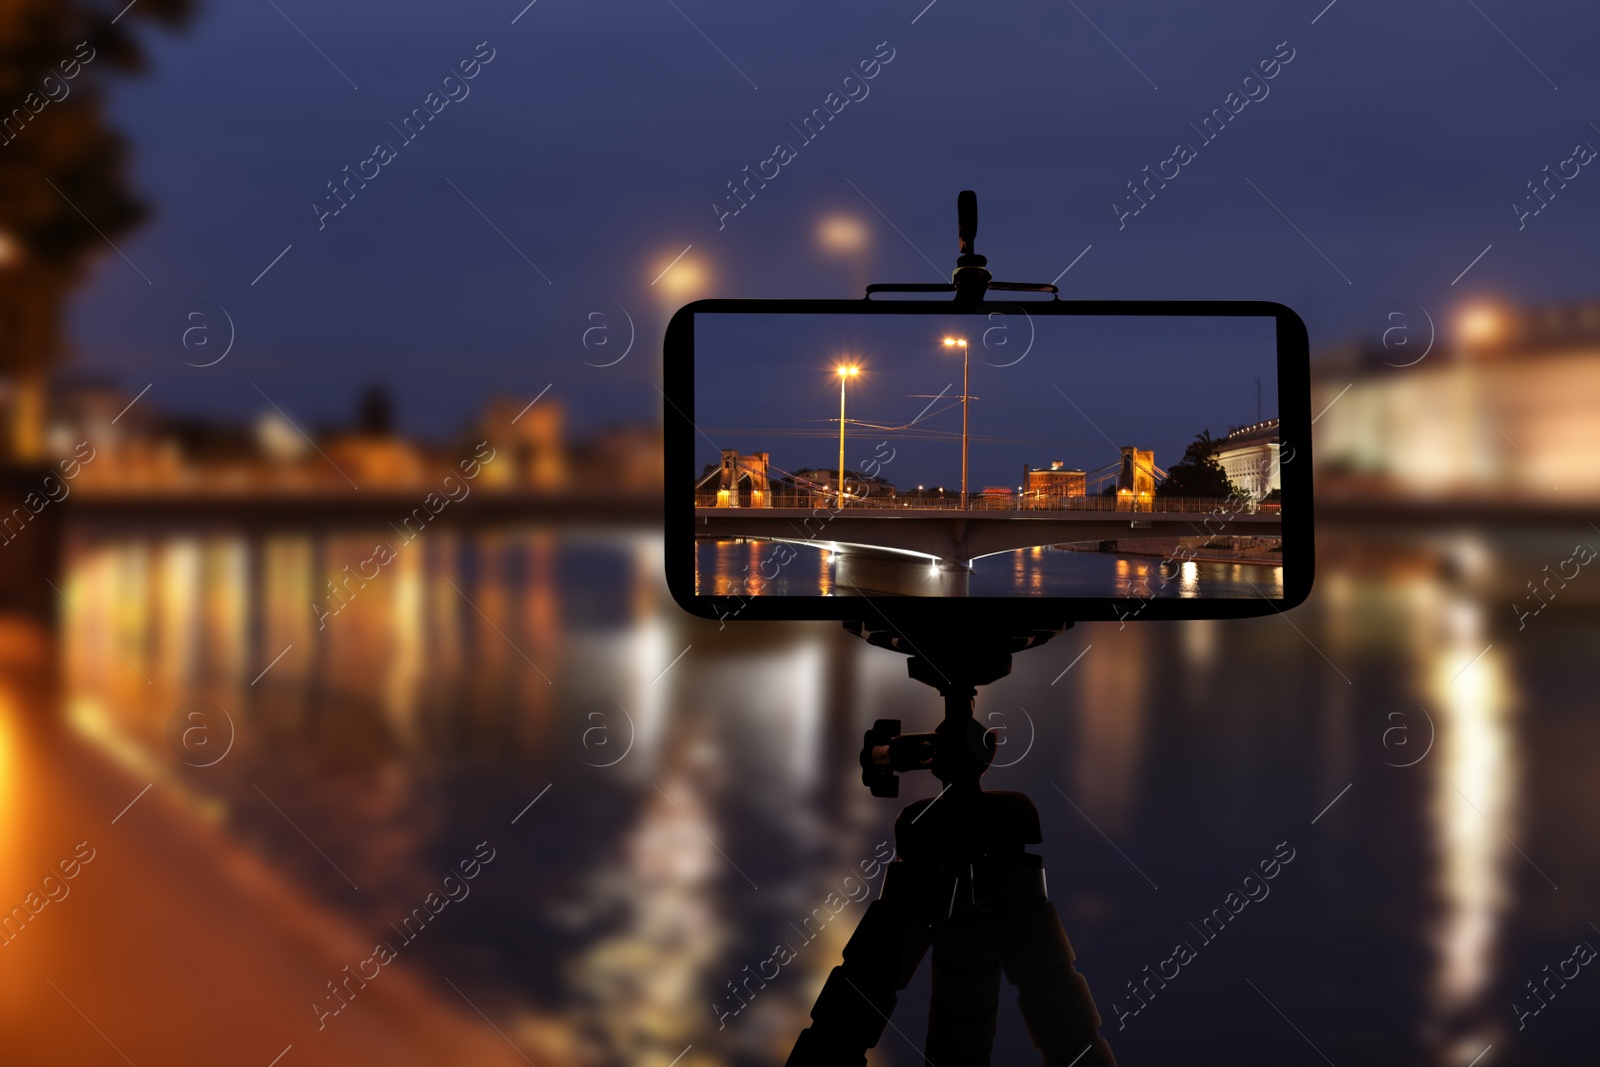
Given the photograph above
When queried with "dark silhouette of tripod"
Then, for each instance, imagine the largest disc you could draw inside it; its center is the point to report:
(963, 883)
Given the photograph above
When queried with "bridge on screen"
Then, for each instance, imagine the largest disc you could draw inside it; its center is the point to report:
(929, 551)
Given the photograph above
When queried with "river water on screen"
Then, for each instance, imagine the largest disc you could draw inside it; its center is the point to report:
(735, 568)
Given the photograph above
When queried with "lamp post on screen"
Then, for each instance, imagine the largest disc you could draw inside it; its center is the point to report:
(961, 342)
(845, 374)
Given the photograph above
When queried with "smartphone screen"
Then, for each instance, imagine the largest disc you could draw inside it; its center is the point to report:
(1078, 456)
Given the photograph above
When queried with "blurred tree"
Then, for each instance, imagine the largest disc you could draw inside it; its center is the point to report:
(375, 412)
(1198, 474)
(54, 58)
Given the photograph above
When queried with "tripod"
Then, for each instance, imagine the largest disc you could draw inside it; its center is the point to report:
(962, 883)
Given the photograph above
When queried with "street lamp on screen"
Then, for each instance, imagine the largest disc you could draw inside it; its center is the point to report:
(846, 372)
(961, 343)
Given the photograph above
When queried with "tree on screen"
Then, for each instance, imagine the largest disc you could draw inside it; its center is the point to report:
(1198, 474)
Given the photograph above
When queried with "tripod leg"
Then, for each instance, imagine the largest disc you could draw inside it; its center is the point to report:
(1052, 995)
(962, 1013)
(860, 994)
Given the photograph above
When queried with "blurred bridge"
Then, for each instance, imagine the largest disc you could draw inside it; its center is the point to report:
(377, 508)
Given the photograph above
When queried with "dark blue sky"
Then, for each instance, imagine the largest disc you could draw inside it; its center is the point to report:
(597, 139)
(1047, 387)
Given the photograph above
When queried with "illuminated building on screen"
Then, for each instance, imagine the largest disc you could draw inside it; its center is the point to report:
(1250, 456)
(1047, 488)
(741, 480)
(1136, 480)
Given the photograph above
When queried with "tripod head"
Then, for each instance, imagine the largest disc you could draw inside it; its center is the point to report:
(971, 278)
(959, 749)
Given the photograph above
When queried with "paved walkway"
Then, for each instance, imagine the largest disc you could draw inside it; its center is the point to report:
(173, 945)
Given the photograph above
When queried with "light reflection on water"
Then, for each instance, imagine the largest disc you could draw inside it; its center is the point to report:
(1474, 789)
(479, 666)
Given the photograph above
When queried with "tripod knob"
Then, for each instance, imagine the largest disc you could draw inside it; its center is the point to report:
(971, 277)
(877, 770)
(967, 228)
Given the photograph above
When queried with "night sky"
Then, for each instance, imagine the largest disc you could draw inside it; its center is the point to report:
(1364, 176)
(1047, 387)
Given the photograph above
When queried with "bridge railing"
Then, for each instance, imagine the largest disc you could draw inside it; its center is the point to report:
(1030, 505)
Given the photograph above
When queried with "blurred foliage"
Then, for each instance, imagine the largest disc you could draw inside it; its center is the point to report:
(55, 58)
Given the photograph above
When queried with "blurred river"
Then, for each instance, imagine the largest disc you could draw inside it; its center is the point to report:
(694, 799)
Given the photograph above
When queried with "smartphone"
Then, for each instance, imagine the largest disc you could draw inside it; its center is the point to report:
(1031, 462)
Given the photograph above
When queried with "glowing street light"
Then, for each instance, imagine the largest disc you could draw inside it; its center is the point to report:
(844, 234)
(847, 238)
(681, 279)
(846, 372)
(10, 250)
(961, 342)
(1479, 325)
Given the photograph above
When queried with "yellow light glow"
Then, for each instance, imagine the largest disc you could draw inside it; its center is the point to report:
(950, 342)
(685, 278)
(849, 372)
(1480, 324)
(1476, 791)
(10, 713)
(843, 233)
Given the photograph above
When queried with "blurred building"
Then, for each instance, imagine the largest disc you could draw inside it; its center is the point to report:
(374, 454)
(527, 444)
(628, 456)
(1508, 407)
(138, 450)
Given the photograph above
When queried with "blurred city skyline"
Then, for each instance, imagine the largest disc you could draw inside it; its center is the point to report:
(606, 193)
